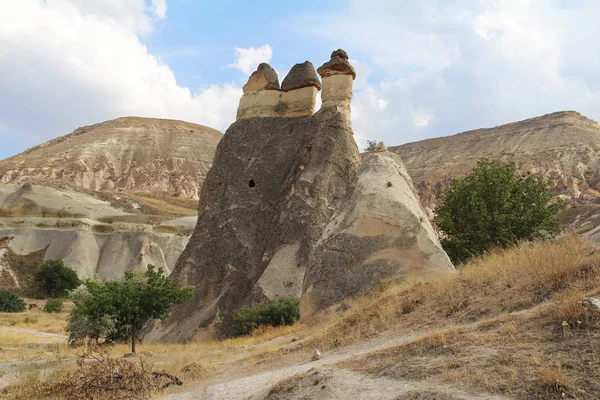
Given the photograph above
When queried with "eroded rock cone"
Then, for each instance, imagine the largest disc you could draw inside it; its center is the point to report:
(274, 185)
(380, 233)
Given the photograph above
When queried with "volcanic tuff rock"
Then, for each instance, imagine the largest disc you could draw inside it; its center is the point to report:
(380, 233)
(275, 184)
(563, 147)
(88, 234)
(301, 76)
(264, 78)
(147, 156)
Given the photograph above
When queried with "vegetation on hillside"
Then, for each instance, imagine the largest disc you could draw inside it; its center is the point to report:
(494, 206)
(55, 279)
(277, 312)
(10, 302)
(127, 303)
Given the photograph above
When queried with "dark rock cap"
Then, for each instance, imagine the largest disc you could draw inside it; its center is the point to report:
(264, 78)
(337, 65)
(339, 53)
(300, 76)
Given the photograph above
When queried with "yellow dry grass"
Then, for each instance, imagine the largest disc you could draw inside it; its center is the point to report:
(498, 283)
(37, 319)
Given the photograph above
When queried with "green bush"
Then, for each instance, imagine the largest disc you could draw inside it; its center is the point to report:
(10, 302)
(276, 312)
(54, 279)
(495, 206)
(53, 306)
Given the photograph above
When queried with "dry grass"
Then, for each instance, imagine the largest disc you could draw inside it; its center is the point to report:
(501, 282)
(37, 319)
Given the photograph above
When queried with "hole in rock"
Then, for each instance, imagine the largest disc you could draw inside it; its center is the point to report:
(251, 183)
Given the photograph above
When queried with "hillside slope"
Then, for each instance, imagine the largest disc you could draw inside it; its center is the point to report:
(564, 147)
(152, 157)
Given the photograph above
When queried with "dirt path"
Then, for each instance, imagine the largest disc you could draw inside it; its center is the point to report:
(333, 382)
(343, 383)
(54, 336)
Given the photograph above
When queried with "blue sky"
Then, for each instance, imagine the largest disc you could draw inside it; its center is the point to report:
(425, 69)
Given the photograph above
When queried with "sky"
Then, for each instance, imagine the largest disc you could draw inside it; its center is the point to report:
(425, 68)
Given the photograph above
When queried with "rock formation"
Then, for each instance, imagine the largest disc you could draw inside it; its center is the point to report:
(279, 176)
(380, 233)
(296, 98)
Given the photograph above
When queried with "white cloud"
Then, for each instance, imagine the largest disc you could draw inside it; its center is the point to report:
(421, 118)
(248, 59)
(446, 67)
(67, 63)
(159, 8)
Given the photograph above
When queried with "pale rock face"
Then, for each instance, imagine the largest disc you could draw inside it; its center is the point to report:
(273, 103)
(89, 235)
(380, 233)
(337, 92)
(296, 98)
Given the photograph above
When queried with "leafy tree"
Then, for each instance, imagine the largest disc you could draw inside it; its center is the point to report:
(494, 206)
(54, 279)
(371, 144)
(80, 326)
(10, 302)
(132, 300)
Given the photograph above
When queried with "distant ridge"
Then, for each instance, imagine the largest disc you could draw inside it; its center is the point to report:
(148, 156)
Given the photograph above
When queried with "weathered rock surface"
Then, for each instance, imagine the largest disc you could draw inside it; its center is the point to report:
(274, 185)
(89, 235)
(301, 76)
(157, 158)
(264, 78)
(380, 233)
(337, 65)
(563, 147)
(296, 99)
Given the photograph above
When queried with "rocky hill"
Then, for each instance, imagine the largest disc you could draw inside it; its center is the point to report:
(564, 147)
(157, 158)
(103, 198)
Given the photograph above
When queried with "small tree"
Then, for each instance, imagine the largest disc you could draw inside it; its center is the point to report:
(54, 279)
(494, 206)
(371, 144)
(132, 300)
(10, 302)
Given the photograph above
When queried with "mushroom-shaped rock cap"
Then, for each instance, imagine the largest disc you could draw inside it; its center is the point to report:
(264, 78)
(339, 53)
(337, 65)
(380, 148)
(300, 76)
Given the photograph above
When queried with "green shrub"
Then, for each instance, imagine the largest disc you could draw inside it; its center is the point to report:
(53, 306)
(495, 206)
(31, 306)
(54, 279)
(276, 312)
(10, 302)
